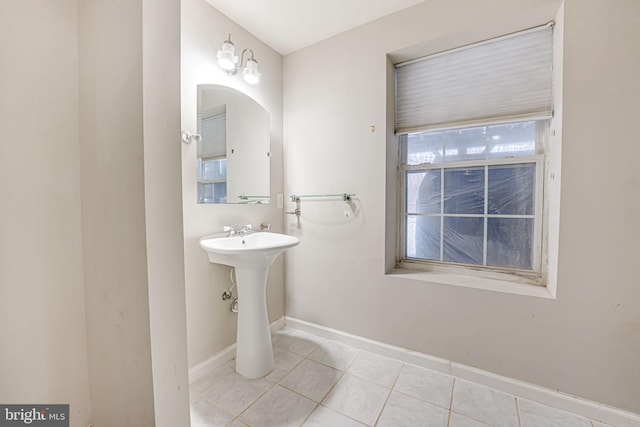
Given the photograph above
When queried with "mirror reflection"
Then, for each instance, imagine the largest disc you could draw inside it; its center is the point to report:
(233, 153)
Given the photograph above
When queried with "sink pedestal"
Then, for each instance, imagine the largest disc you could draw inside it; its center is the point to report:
(254, 354)
(251, 255)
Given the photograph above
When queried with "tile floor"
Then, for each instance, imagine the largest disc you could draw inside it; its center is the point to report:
(318, 382)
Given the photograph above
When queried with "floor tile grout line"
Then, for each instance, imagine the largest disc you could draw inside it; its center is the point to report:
(518, 411)
(344, 415)
(451, 374)
(254, 402)
(328, 393)
(292, 369)
(375, 423)
(311, 399)
(278, 383)
(342, 373)
(453, 388)
(333, 367)
(214, 404)
(271, 386)
(421, 399)
(391, 390)
(358, 351)
(346, 371)
(324, 364)
(310, 413)
(373, 381)
(320, 363)
(331, 389)
(395, 381)
(288, 389)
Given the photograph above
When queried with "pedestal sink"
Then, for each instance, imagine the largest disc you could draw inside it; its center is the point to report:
(251, 255)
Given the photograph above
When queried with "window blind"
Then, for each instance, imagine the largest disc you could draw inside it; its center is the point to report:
(214, 137)
(499, 80)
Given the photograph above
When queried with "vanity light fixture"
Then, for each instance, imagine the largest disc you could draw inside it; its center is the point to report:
(228, 61)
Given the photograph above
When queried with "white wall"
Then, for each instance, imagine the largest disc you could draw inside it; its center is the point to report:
(583, 343)
(42, 321)
(211, 325)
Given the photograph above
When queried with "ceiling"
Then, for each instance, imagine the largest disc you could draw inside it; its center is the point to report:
(289, 25)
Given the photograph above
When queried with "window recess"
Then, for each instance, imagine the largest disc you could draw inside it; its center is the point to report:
(473, 131)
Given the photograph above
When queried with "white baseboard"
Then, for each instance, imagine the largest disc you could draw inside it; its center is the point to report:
(576, 405)
(223, 356)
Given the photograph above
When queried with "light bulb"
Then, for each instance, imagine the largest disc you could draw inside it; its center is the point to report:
(250, 72)
(226, 58)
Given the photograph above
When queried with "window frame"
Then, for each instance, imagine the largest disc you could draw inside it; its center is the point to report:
(206, 182)
(200, 169)
(463, 278)
(219, 112)
(419, 80)
(536, 276)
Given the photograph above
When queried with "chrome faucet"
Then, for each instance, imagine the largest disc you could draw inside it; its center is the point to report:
(237, 230)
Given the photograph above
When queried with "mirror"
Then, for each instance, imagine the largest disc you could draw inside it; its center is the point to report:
(233, 152)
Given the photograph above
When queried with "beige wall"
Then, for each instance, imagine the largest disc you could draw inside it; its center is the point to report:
(59, 145)
(113, 214)
(43, 355)
(163, 210)
(211, 325)
(130, 157)
(90, 172)
(583, 343)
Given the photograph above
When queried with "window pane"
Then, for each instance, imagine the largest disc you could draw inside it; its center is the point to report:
(446, 207)
(464, 190)
(425, 148)
(220, 192)
(423, 191)
(212, 192)
(465, 144)
(473, 143)
(510, 242)
(463, 240)
(205, 193)
(511, 189)
(512, 140)
(423, 237)
(214, 170)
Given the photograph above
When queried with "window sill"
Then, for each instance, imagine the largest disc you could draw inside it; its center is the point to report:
(467, 281)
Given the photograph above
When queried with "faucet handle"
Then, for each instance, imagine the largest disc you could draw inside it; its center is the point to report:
(237, 229)
(232, 229)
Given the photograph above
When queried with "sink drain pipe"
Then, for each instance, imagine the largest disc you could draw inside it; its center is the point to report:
(228, 294)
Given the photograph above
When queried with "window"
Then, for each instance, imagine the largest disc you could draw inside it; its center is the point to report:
(212, 158)
(473, 196)
(473, 130)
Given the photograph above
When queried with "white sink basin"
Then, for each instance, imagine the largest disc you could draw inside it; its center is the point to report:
(250, 249)
(251, 255)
